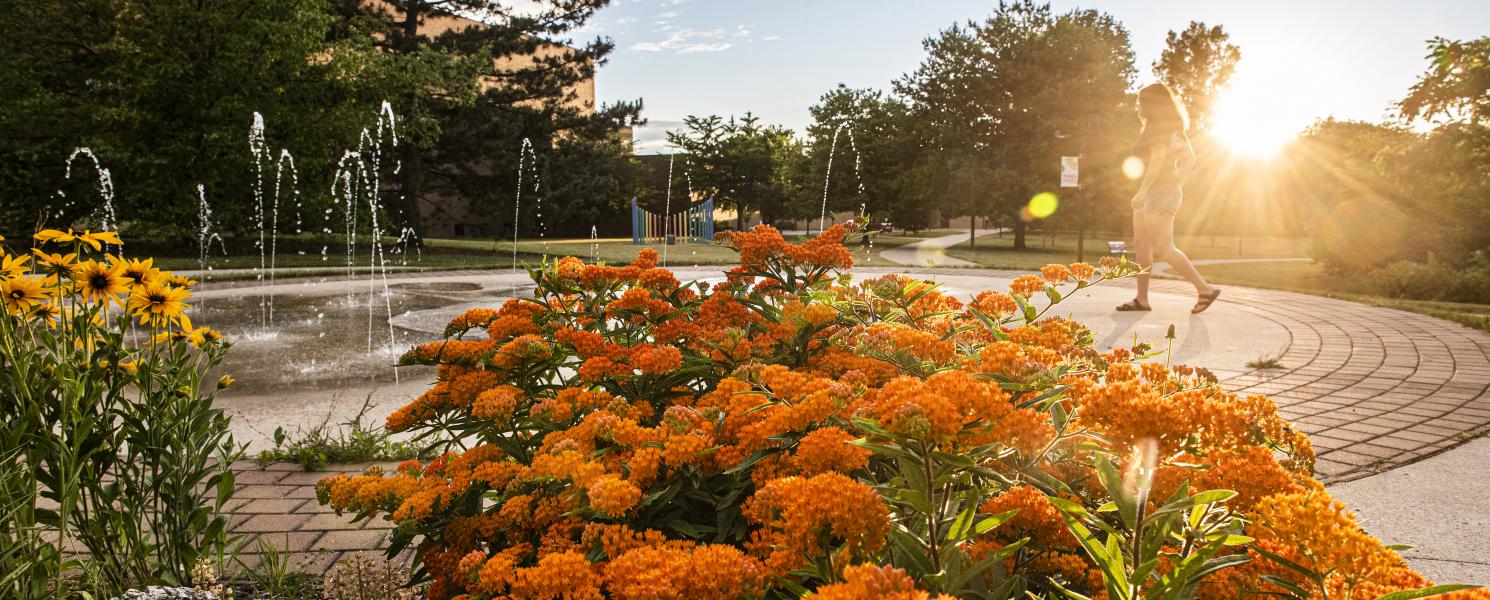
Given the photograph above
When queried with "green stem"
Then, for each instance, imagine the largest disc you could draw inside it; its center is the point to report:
(933, 519)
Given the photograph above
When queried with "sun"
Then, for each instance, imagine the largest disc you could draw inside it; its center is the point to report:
(1246, 121)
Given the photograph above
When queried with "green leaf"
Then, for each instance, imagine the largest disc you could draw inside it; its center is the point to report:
(1426, 592)
(1127, 506)
(912, 550)
(994, 521)
(1053, 294)
(750, 461)
(1298, 592)
(958, 531)
(1295, 567)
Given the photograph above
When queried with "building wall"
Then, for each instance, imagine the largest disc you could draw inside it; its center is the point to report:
(450, 216)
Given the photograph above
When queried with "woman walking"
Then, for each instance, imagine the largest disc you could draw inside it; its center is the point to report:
(1167, 157)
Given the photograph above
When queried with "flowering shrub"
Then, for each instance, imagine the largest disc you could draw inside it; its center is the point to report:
(786, 431)
(113, 450)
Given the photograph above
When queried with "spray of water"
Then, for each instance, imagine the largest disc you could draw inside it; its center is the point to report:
(206, 234)
(357, 187)
(104, 215)
(525, 153)
(828, 176)
(667, 210)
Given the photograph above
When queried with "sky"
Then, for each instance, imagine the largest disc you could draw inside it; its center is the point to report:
(1301, 59)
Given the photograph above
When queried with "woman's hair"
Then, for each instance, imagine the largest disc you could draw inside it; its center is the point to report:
(1157, 105)
(1163, 118)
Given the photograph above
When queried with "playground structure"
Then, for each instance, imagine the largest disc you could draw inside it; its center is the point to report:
(695, 223)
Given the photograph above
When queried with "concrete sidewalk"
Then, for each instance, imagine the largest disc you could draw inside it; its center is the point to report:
(932, 252)
(1440, 506)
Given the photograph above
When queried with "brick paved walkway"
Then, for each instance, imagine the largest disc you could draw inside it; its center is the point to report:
(275, 504)
(1374, 388)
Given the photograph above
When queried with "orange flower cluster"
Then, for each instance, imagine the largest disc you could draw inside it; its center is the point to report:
(638, 439)
(874, 582)
(1036, 518)
(803, 517)
(956, 409)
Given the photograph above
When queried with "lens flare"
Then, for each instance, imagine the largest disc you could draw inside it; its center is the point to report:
(1133, 167)
(1043, 205)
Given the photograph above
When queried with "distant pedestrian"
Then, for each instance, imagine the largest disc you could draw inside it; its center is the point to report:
(1167, 157)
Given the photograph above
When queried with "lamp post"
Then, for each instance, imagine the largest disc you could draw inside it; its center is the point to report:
(1070, 178)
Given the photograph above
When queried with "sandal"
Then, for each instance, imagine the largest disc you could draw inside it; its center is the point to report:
(1133, 306)
(1206, 300)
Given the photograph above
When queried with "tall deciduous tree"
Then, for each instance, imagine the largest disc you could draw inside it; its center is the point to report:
(1197, 64)
(993, 98)
(875, 148)
(740, 162)
(1455, 86)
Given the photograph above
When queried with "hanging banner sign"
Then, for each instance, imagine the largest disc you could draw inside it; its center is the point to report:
(1070, 165)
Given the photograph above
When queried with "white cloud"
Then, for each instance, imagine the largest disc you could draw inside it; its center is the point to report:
(686, 41)
(667, 14)
(741, 31)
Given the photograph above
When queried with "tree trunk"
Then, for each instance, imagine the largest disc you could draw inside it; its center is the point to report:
(972, 232)
(411, 184)
(1019, 234)
(411, 171)
(739, 217)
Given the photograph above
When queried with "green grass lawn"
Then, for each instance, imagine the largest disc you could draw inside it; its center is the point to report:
(998, 251)
(1310, 278)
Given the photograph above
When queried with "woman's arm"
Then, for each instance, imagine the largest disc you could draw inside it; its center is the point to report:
(1150, 173)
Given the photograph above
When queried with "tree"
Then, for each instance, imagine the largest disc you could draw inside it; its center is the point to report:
(471, 91)
(741, 163)
(163, 92)
(1000, 93)
(1197, 64)
(874, 150)
(1456, 85)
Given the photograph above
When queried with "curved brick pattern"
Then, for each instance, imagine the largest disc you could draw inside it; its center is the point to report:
(1374, 388)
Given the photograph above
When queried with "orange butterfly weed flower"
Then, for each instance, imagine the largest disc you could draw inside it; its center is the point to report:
(677, 572)
(827, 450)
(1027, 285)
(815, 515)
(1037, 518)
(613, 496)
(875, 582)
(565, 575)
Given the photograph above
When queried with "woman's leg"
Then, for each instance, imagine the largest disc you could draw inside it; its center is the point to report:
(1143, 252)
(1160, 228)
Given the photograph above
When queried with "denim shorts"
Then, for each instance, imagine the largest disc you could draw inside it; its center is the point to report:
(1163, 201)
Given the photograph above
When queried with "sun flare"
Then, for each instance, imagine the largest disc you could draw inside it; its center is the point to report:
(1245, 121)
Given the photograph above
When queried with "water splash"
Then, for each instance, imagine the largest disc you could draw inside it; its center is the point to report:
(525, 152)
(258, 147)
(828, 176)
(107, 219)
(667, 210)
(594, 245)
(266, 210)
(357, 187)
(206, 234)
